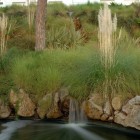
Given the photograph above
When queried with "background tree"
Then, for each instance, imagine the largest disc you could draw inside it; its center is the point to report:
(40, 25)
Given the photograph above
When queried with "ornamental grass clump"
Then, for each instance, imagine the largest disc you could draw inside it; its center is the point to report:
(107, 44)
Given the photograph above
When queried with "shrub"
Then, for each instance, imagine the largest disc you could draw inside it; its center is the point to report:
(80, 70)
(64, 37)
(8, 59)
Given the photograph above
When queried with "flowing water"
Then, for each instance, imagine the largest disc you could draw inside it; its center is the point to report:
(78, 128)
(44, 130)
(76, 113)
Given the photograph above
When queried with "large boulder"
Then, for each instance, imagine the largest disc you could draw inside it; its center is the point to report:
(130, 114)
(133, 118)
(44, 105)
(22, 103)
(94, 107)
(130, 105)
(55, 111)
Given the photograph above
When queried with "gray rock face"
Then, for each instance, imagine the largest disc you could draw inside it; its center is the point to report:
(132, 118)
(22, 103)
(127, 108)
(120, 118)
(135, 101)
(127, 115)
(130, 114)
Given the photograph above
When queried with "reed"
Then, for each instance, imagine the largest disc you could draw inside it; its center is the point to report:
(107, 44)
(30, 15)
(107, 36)
(4, 30)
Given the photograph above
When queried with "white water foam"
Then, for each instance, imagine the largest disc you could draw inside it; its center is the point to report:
(87, 135)
(77, 120)
(11, 127)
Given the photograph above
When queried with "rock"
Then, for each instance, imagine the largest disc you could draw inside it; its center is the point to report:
(65, 106)
(133, 118)
(94, 106)
(93, 110)
(127, 108)
(117, 103)
(63, 94)
(110, 119)
(104, 117)
(135, 101)
(44, 105)
(120, 118)
(108, 108)
(130, 115)
(97, 99)
(5, 111)
(130, 120)
(55, 111)
(26, 108)
(13, 97)
(22, 103)
(136, 113)
(116, 112)
(65, 101)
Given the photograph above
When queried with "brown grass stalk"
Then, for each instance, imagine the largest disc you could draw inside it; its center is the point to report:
(107, 36)
(4, 30)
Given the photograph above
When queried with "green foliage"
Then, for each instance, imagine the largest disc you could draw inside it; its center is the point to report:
(5, 85)
(128, 63)
(48, 71)
(38, 77)
(63, 37)
(58, 19)
(7, 60)
(79, 70)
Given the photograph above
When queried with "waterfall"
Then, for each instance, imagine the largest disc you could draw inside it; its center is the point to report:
(76, 112)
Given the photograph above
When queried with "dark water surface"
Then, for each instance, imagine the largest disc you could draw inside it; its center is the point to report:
(44, 130)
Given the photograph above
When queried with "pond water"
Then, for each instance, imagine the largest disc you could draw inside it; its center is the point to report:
(58, 130)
